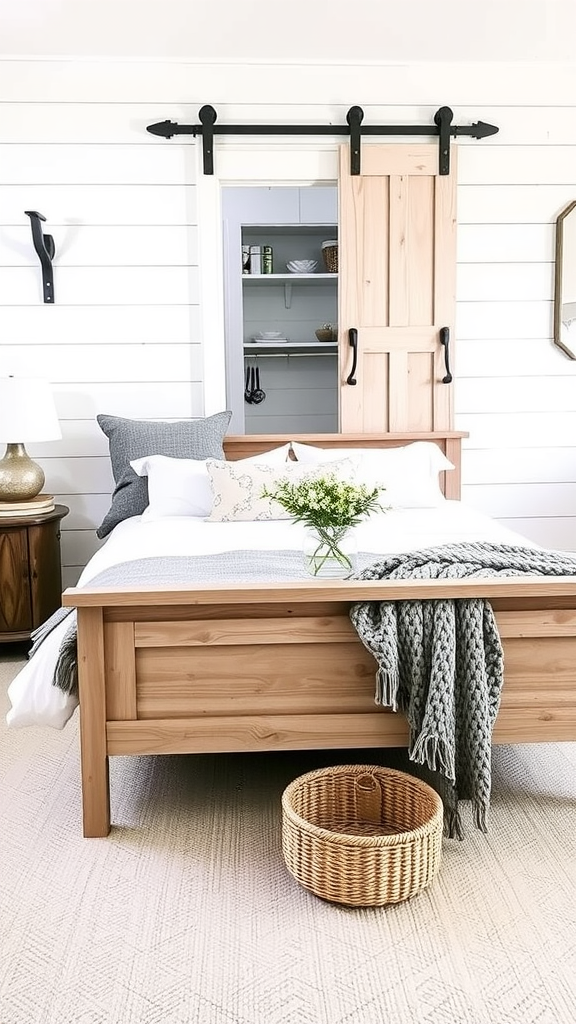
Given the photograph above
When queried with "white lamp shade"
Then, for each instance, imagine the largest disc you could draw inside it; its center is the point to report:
(27, 411)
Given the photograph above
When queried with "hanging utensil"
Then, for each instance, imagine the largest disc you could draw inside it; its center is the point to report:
(247, 391)
(258, 395)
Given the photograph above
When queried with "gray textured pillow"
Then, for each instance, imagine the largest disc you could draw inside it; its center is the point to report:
(134, 439)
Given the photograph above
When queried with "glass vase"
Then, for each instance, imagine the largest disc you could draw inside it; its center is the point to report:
(330, 551)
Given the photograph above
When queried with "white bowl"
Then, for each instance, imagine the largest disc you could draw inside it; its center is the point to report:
(270, 335)
(302, 266)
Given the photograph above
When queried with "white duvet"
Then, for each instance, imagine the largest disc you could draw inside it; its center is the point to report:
(35, 701)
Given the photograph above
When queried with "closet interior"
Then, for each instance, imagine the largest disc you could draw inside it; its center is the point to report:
(281, 306)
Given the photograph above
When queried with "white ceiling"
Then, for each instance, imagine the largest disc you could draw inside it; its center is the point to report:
(340, 30)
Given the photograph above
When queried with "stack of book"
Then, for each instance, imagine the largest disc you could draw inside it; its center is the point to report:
(37, 506)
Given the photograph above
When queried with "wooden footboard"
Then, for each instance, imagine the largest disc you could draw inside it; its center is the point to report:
(280, 667)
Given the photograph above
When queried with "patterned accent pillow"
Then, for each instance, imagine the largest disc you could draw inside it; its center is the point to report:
(133, 439)
(237, 488)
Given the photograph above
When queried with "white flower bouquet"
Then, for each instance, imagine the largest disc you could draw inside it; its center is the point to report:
(330, 507)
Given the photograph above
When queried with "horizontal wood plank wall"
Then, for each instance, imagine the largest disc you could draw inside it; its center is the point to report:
(125, 333)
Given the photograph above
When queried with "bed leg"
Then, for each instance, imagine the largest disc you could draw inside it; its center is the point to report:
(95, 800)
(93, 751)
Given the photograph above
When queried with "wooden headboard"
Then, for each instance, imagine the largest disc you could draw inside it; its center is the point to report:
(242, 446)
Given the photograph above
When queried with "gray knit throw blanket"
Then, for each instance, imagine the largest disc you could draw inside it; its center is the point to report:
(440, 663)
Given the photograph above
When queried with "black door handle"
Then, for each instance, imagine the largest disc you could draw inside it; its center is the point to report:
(353, 340)
(445, 341)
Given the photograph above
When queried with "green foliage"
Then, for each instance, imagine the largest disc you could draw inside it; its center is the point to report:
(325, 500)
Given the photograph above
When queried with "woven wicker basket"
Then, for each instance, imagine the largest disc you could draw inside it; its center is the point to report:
(330, 256)
(361, 835)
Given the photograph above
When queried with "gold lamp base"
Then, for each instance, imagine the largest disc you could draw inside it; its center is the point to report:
(20, 477)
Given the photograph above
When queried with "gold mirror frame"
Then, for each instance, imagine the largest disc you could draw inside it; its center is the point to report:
(565, 280)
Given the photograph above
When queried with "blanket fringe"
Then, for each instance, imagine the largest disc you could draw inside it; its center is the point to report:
(387, 683)
(480, 813)
(66, 672)
(435, 753)
(453, 824)
(39, 635)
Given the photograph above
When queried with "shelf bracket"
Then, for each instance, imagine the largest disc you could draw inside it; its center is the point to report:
(287, 294)
(354, 128)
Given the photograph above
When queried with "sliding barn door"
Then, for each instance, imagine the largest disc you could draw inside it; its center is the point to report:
(397, 269)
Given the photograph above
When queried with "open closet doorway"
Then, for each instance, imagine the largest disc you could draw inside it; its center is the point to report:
(280, 289)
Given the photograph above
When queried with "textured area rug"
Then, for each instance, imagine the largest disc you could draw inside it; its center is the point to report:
(186, 913)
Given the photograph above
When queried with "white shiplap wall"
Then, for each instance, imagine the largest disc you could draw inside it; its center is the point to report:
(125, 333)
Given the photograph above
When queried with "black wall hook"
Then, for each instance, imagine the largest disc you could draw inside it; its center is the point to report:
(44, 245)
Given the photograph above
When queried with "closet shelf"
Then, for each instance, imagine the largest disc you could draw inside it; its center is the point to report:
(287, 278)
(310, 347)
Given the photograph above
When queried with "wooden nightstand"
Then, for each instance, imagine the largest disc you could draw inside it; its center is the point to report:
(30, 572)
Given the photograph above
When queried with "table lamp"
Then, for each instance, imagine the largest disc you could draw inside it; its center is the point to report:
(27, 413)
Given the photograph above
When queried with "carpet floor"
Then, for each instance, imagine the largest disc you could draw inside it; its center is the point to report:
(186, 912)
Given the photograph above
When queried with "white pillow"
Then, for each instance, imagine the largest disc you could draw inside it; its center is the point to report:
(181, 487)
(176, 487)
(408, 472)
(237, 488)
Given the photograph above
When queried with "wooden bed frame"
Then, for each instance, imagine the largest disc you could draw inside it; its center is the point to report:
(280, 667)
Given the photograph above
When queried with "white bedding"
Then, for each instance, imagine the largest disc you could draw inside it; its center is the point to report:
(35, 701)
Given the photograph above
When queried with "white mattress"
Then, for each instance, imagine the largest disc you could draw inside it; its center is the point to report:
(35, 701)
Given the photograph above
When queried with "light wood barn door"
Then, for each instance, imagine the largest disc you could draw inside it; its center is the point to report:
(397, 271)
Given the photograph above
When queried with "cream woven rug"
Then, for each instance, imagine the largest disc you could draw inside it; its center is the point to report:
(187, 914)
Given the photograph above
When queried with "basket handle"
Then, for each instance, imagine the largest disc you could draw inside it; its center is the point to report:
(368, 794)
